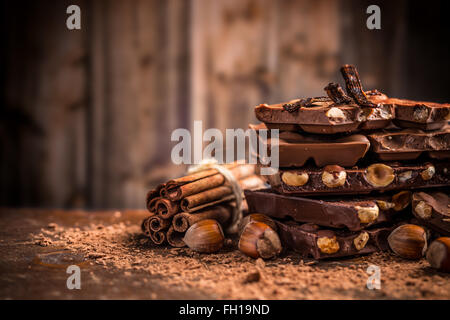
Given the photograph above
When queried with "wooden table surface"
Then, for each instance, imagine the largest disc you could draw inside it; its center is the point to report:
(32, 270)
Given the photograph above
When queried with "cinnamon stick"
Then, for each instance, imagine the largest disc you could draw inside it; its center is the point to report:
(166, 208)
(218, 195)
(156, 223)
(182, 221)
(157, 237)
(175, 238)
(177, 192)
(151, 196)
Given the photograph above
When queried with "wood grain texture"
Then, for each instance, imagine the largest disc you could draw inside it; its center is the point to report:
(87, 114)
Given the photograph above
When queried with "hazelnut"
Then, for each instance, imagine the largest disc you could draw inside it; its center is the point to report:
(335, 114)
(259, 240)
(404, 176)
(361, 240)
(385, 205)
(428, 173)
(367, 214)
(328, 245)
(256, 217)
(423, 210)
(401, 200)
(379, 175)
(294, 179)
(438, 255)
(205, 236)
(334, 176)
(408, 241)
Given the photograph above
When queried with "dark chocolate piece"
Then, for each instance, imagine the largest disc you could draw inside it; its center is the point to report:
(354, 213)
(354, 86)
(336, 93)
(433, 210)
(311, 241)
(295, 149)
(378, 176)
(410, 143)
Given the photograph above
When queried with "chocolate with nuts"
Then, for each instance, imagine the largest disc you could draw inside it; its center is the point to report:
(355, 213)
(378, 176)
(409, 144)
(312, 241)
(433, 210)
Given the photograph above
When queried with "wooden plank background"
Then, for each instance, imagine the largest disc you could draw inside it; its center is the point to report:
(87, 115)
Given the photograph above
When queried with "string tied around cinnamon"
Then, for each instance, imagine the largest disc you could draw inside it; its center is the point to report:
(212, 163)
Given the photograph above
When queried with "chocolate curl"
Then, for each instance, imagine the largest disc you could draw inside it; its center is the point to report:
(157, 223)
(157, 237)
(218, 195)
(354, 86)
(166, 208)
(335, 92)
(182, 221)
(175, 238)
(175, 193)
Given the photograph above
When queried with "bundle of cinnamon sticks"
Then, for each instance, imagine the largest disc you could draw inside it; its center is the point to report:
(179, 203)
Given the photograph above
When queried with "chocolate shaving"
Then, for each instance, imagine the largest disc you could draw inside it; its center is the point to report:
(303, 103)
(335, 92)
(354, 86)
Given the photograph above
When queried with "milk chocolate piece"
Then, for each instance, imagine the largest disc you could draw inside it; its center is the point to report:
(409, 144)
(295, 149)
(329, 212)
(325, 116)
(433, 210)
(311, 241)
(378, 176)
(418, 114)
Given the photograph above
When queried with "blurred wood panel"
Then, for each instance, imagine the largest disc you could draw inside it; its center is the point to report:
(87, 115)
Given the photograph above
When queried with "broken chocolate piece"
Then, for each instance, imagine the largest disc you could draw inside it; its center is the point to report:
(433, 210)
(355, 213)
(354, 86)
(311, 241)
(378, 176)
(409, 144)
(295, 149)
(336, 93)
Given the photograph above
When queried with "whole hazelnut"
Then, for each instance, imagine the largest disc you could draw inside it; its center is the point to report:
(205, 236)
(408, 241)
(438, 254)
(256, 217)
(258, 240)
(379, 175)
(334, 176)
(295, 179)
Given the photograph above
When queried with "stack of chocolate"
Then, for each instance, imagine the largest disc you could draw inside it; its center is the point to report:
(178, 204)
(351, 163)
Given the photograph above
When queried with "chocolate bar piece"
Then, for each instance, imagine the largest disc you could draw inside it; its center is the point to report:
(433, 210)
(295, 149)
(409, 144)
(325, 116)
(378, 176)
(311, 241)
(421, 115)
(352, 213)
